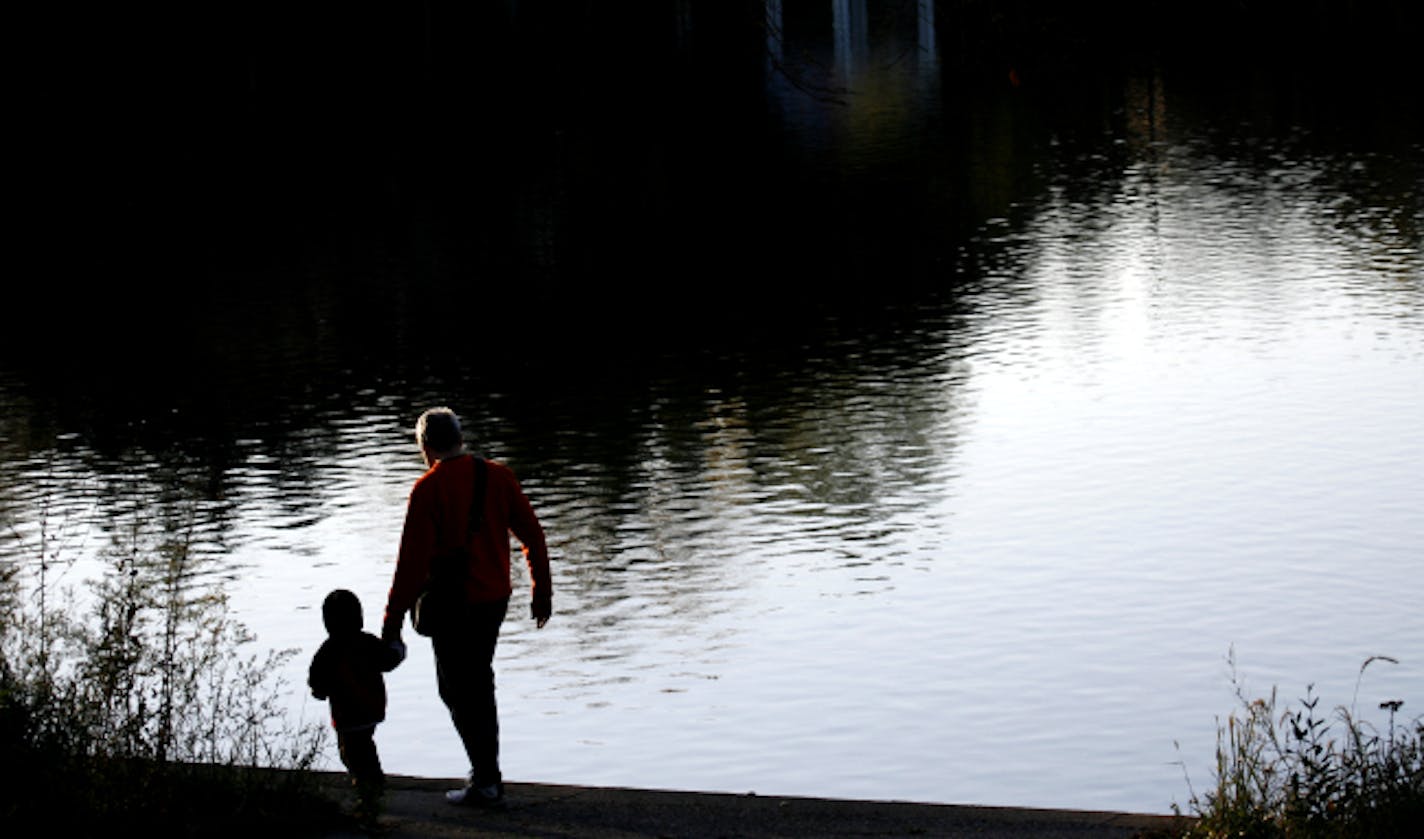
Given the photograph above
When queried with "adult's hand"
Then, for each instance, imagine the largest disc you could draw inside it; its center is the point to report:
(541, 608)
(391, 631)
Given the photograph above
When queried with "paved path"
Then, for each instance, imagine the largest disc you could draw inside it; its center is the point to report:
(415, 807)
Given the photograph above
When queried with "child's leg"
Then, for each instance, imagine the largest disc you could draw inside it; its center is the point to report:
(358, 753)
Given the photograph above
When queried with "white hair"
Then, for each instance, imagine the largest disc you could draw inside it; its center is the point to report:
(438, 430)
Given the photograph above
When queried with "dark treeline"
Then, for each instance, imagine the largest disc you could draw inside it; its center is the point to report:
(324, 52)
(1327, 34)
(207, 90)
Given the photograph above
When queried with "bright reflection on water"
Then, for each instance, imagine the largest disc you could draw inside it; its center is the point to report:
(990, 546)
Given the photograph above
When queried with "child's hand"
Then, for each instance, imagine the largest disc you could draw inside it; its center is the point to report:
(399, 646)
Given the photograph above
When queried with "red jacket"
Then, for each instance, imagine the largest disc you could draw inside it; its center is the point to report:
(436, 522)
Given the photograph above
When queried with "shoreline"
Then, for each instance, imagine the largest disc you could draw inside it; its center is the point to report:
(416, 807)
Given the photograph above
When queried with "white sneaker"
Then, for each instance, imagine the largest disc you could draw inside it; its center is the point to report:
(485, 798)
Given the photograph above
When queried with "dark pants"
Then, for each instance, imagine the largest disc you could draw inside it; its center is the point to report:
(464, 666)
(358, 755)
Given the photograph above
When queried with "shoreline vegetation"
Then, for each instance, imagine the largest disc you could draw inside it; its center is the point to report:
(1297, 771)
(145, 709)
(147, 713)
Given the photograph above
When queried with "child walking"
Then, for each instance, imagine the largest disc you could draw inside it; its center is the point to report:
(347, 669)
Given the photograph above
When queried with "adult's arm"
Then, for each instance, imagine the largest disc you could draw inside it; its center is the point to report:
(417, 545)
(524, 524)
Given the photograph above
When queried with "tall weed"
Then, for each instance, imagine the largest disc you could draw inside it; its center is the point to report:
(146, 708)
(1298, 772)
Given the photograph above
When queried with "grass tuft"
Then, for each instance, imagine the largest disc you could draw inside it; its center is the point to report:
(145, 713)
(1299, 772)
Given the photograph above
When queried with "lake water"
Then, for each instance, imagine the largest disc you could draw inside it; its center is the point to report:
(919, 439)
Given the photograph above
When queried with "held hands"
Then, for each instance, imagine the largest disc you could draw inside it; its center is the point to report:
(391, 633)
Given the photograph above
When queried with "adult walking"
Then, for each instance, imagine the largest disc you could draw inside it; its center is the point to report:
(442, 522)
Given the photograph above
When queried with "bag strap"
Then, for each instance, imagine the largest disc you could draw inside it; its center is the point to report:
(477, 498)
(476, 520)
